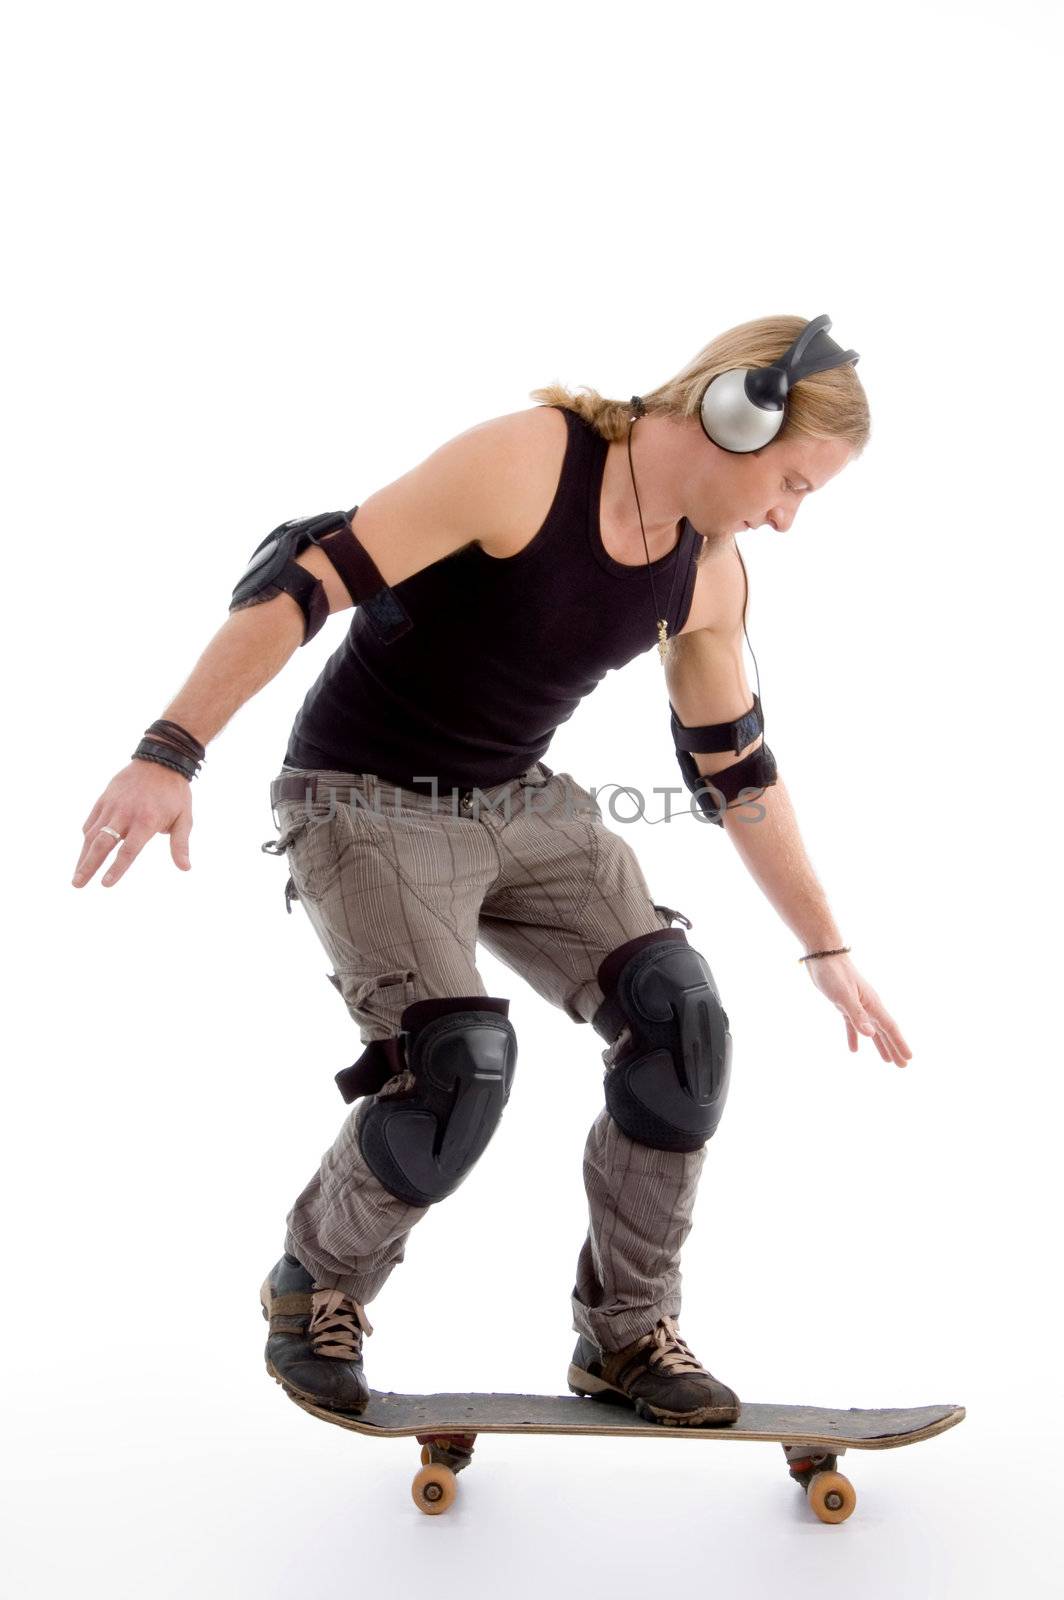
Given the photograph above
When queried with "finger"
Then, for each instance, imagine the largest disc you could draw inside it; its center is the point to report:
(871, 1026)
(94, 817)
(94, 852)
(127, 853)
(900, 1051)
(851, 1035)
(892, 1053)
(97, 845)
(90, 829)
(899, 1045)
(179, 842)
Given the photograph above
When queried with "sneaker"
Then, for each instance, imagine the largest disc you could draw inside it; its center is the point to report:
(314, 1349)
(657, 1375)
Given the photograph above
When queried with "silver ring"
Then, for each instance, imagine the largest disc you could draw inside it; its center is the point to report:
(114, 834)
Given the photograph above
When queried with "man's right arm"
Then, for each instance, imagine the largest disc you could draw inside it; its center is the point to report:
(471, 488)
(468, 489)
(248, 650)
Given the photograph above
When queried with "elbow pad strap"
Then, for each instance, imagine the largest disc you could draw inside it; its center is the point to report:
(719, 735)
(756, 771)
(273, 570)
(363, 582)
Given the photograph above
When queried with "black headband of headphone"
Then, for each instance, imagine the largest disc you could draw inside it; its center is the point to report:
(814, 350)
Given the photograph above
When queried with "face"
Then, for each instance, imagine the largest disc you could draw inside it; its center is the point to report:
(768, 488)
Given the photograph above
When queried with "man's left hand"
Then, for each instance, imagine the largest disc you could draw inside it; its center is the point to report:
(839, 979)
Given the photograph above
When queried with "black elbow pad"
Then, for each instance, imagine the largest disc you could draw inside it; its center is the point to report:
(274, 570)
(754, 773)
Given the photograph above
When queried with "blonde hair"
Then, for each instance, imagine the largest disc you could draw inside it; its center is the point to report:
(827, 405)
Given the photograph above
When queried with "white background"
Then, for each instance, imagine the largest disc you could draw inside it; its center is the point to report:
(261, 260)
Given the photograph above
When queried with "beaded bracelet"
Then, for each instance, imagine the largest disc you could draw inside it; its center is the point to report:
(814, 955)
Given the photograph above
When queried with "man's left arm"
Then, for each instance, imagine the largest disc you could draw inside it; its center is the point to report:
(708, 690)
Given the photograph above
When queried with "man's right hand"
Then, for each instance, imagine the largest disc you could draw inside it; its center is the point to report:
(142, 800)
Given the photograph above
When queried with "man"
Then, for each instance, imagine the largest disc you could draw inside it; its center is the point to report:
(494, 585)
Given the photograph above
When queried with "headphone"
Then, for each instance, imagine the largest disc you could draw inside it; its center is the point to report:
(744, 409)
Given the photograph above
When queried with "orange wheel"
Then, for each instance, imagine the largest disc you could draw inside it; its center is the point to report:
(831, 1496)
(434, 1488)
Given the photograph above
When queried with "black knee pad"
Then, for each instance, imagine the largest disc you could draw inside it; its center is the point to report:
(668, 1082)
(424, 1137)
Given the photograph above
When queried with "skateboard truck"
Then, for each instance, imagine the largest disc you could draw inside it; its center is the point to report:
(443, 1455)
(831, 1495)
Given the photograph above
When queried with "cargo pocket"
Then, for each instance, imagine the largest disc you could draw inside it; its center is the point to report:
(376, 1000)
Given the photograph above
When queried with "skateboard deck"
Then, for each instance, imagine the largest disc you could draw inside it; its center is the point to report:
(446, 1426)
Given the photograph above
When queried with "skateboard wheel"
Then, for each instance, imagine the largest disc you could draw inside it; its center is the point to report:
(831, 1496)
(434, 1487)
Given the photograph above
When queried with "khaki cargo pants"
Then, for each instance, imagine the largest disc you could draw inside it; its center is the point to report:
(399, 889)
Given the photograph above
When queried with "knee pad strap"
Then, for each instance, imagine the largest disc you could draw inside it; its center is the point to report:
(424, 1137)
(669, 1080)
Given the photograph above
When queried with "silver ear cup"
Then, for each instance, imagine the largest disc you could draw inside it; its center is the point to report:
(732, 420)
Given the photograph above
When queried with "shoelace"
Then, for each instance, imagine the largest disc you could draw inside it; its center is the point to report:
(663, 1348)
(337, 1324)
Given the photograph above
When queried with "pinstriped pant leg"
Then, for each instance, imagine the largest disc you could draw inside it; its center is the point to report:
(571, 891)
(394, 903)
(640, 1204)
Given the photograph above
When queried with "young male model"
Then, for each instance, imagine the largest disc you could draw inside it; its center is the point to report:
(493, 586)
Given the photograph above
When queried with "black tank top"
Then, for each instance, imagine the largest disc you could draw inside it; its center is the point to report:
(501, 651)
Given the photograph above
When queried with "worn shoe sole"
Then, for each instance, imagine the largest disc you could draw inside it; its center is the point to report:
(292, 1390)
(583, 1382)
(294, 1393)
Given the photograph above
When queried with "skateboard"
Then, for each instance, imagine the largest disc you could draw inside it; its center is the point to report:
(446, 1427)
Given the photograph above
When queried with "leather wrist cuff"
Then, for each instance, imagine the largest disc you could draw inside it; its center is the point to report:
(166, 755)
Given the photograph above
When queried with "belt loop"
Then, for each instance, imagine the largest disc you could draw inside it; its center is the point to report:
(673, 916)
